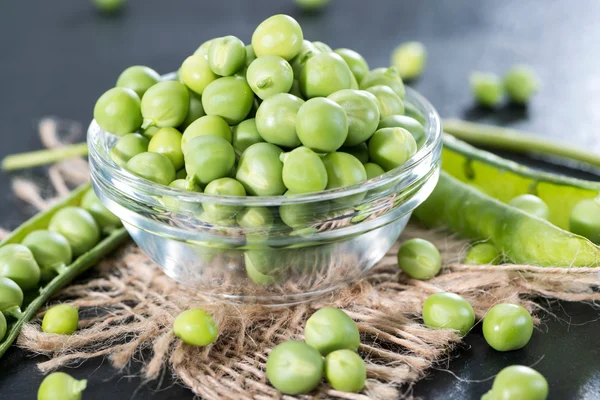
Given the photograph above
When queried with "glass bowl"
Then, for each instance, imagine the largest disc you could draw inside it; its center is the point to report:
(335, 236)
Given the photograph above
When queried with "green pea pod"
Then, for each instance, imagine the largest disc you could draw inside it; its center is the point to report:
(79, 265)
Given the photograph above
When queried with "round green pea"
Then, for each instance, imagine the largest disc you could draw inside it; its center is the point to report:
(109, 6)
(373, 170)
(303, 171)
(532, 205)
(196, 327)
(409, 59)
(11, 297)
(388, 101)
(483, 254)
(487, 88)
(448, 311)
(301, 215)
(307, 51)
(343, 170)
(154, 167)
(61, 386)
(229, 97)
(106, 220)
(181, 174)
(149, 131)
(584, 219)
(208, 158)
(174, 204)
(362, 113)
(208, 125)
(321, 125)
(507, 327)
(17, 263)
(118, 111)
(167, 142)
(276, 119)
(518, 382)
(51, 251)
(226, 55)
(78, 227)
(279, 35)
(223, 187)
(415, 128)
(3, 326)
(61, 319)
(255, 275)
(202, 50)
(245, 134)
(295, 89)
(360, 151)
(250, 55)
(195, 111)
(324, 74)
(127, 147)
(269, 75)
(385, 77)
(165, 104)
(391, 147)
(196, 73)
(331, 329)
(345, 371)
(322, 47)
(294, 368)
(357, 64)
(521, 83)
(311, 5)
(255, 218)
(260, 170)
(410, 110)
(138, 78)
(419, 259)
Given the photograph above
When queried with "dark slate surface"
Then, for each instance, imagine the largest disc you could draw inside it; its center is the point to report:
(57, 57)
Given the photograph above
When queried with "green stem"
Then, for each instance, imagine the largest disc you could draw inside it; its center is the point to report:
(42, 157)
(517, 141)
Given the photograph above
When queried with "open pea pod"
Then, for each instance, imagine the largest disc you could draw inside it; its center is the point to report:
(470, 199)
(34, 300)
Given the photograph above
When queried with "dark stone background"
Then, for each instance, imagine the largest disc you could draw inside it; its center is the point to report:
(57, 57)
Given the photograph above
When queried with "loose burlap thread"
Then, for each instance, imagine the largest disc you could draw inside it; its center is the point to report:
(128, 307)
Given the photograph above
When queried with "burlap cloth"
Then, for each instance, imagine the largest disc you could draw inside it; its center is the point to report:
(129, 306)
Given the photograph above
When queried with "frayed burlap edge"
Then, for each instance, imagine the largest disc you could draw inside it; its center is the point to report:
(130, 306)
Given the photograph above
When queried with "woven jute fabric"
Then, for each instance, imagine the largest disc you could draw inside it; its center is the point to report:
(128, 307)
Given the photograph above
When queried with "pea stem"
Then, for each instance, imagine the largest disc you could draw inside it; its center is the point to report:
(42, 157)
(514, 140)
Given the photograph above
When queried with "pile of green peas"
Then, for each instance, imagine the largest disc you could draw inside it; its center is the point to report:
(277, 117)
(45, 253)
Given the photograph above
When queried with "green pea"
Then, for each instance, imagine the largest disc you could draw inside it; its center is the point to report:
(360, 151)
(229, 97)
(276, 119)
(521, 83)
(584, 219)
(167, 142)
(324, 74)
(165, 104)
(518, 382)
(385, 77)
(343, 170)
(321, 125)
(11, 297)
(3, 326)
(255, 218)
(106, 220)
(331, 329)
(245, 134)
(149, 132)
(154, 167)
(507, 327)
(223, 187)
(195, 111)
(209, 125)
(391, 147)
(78, 227)
(279, 35)
(196, 327)
(17, 263)
(303, 171)
(483, 254)
(51, 251)
(260, 170)
(294, 368)
(311, 5)
(357, 64)
(301, 215)
(138, 78)
(419, 259)
(532, 205)
(181, 174)
(118, 111)
(307, 51)
(254, 274)
(295, 89)
(250, 55)
(127, 147)
(208, 158)
(415, 128)
(226, 55)
(448, 311)
(345, 371)
(269, 75)
(196, 73)
(409, 59)
(373, 170)
(322, 47)
(109, 6)
(202, 50)
(388, 101)
(61, 319)
(362, 113)
(487, 88)
(174, 204)
(410, 110)
(61, 386)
